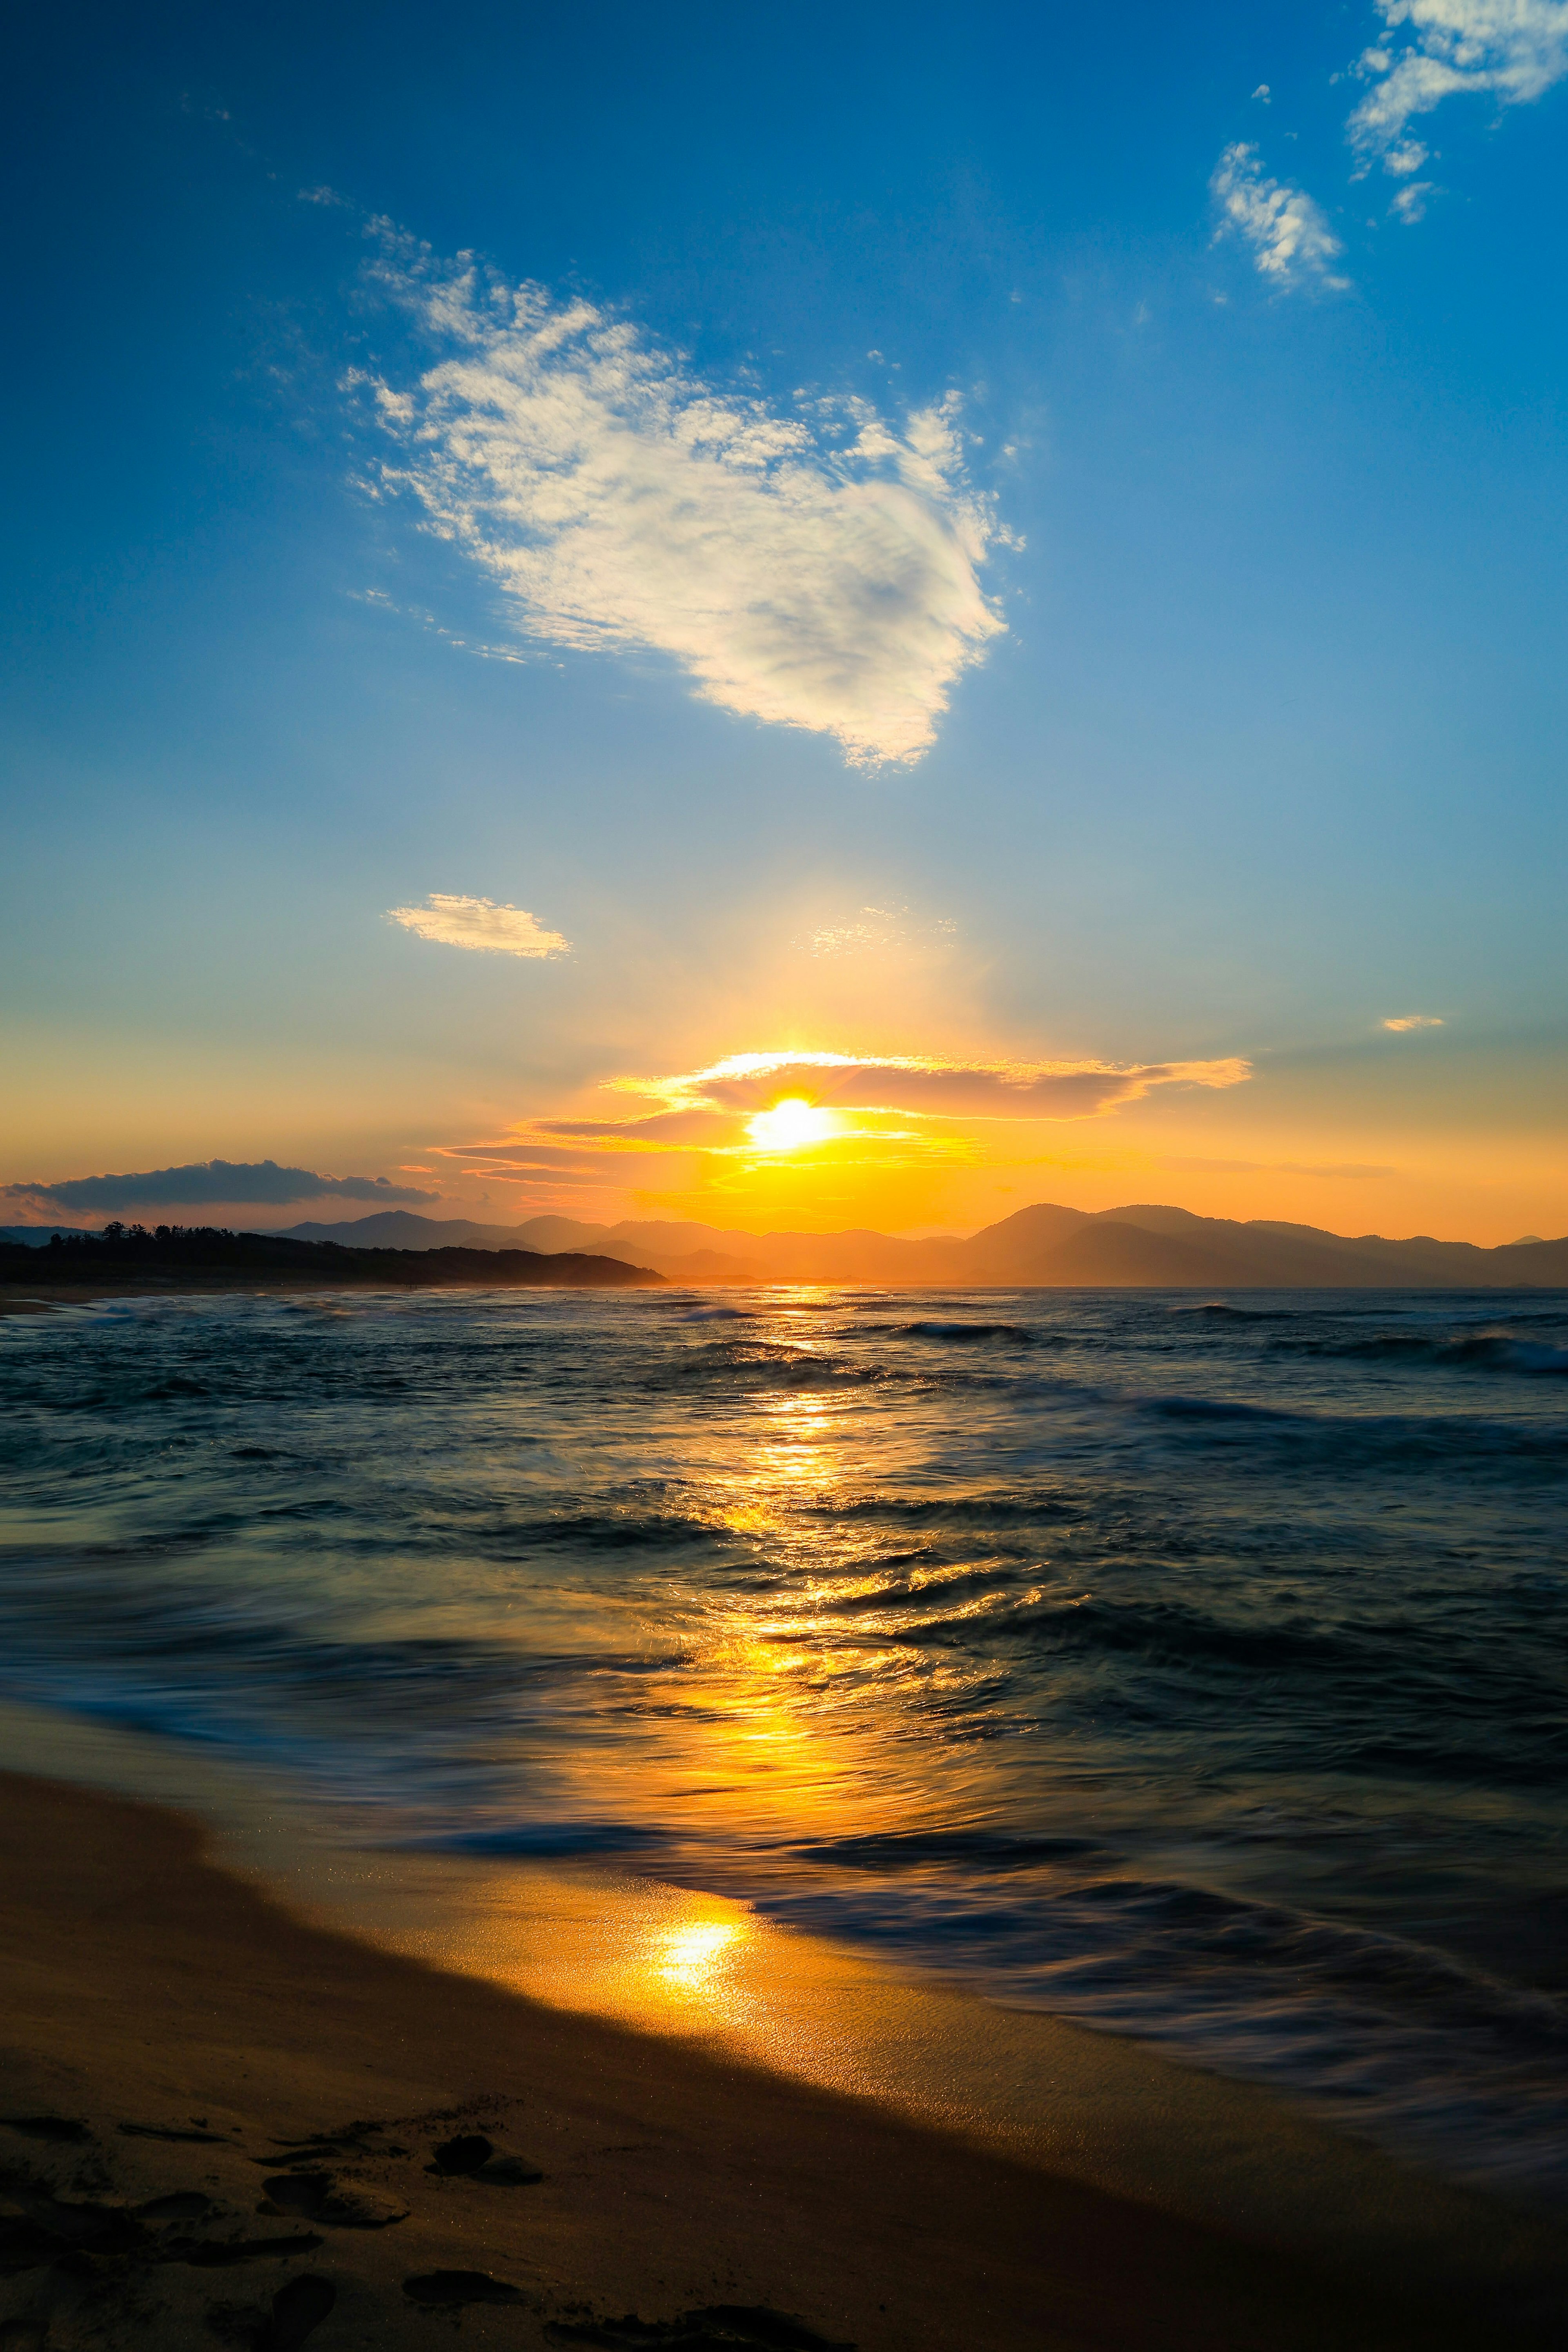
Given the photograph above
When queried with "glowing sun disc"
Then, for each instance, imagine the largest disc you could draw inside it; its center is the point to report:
(790, 1124)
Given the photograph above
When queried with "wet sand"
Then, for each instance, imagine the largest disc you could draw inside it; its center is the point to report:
(224, 2120)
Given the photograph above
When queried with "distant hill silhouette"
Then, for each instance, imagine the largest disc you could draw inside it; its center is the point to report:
(1142, 1246)
(396, 1229)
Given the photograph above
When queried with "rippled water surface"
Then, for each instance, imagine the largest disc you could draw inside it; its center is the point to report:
(1191, 1668)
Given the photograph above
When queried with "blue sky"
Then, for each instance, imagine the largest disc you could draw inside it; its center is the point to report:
(1023, 545)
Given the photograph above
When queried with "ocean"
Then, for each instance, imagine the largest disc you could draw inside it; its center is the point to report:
(1190, 1668)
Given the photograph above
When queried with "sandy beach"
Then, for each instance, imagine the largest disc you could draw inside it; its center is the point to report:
(222, 2125)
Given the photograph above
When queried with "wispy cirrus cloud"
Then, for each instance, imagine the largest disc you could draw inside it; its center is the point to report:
(458, 922)
(532, 1158)
(1286, 229)
(1415, 1021)
(1514, 50)
(874, 929)
(816, 569)
(214, 1183)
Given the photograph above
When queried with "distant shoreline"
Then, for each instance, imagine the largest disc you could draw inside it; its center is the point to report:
(1044, 1247)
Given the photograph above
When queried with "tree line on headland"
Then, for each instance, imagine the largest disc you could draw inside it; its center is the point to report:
(207, 1257)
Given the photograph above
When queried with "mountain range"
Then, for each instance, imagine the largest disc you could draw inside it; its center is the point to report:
(1140, 1246)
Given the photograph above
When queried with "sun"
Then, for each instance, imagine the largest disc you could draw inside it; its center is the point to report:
(791, 1124)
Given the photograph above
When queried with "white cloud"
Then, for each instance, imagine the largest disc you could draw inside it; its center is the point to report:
(1290, 239)
(1409, 202)
(458, 922)
(818, 569)
(1415, 1021)
(1435, 50)
(1407, 157)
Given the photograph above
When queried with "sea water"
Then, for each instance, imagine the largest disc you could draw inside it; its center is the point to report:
(1192, 1668)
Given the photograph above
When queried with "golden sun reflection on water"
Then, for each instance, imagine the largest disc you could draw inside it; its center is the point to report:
(661, 1957)
(691, 1954)
(763, 1721)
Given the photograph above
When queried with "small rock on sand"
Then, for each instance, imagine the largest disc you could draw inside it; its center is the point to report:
(464, 2154)
(509, 2172)
(435, 2288)
(297, 2308)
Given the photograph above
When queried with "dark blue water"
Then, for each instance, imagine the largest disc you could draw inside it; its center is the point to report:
(1193, 1669)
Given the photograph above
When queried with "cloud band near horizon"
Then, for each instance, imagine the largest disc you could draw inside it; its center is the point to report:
(214, 1183)
(923, 1086)
(709, 1109)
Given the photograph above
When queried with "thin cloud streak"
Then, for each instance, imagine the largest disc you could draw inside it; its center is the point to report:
(1334, 1170)
(458, 922)
(817, 571)
(671, 1129)
(523, 1151)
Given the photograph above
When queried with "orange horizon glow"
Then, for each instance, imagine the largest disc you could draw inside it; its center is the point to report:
(819, 1138)
(1413, 1131)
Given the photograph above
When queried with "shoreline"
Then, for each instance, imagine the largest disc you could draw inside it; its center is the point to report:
(1107, 2110)
(16, 1298)
(146, 1984)
(20, 1299)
